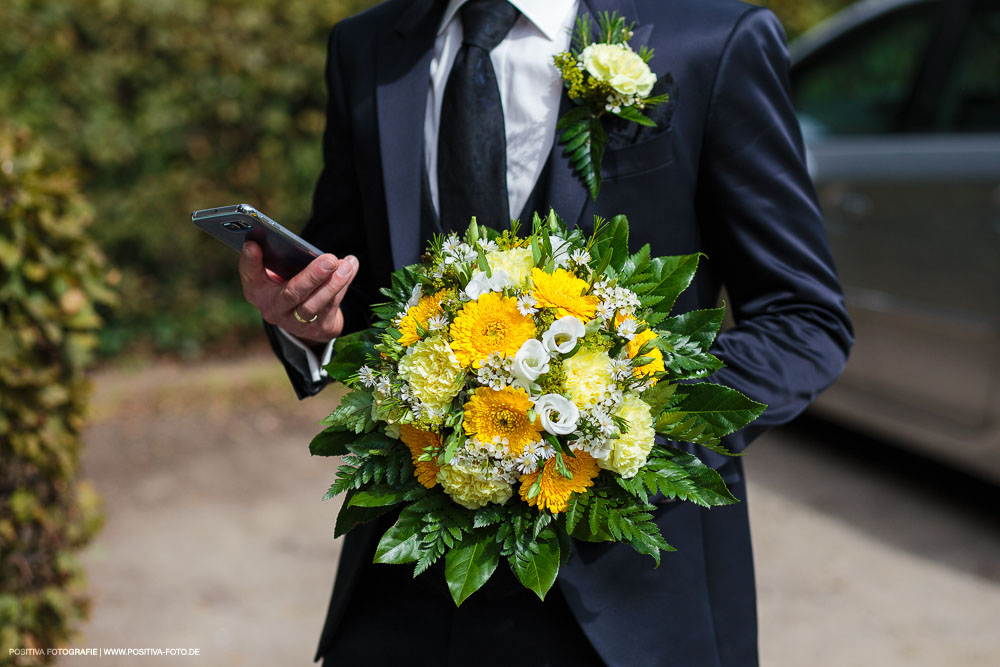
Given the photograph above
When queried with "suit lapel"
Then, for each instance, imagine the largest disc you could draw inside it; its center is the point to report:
(402, 72)
(567, 193)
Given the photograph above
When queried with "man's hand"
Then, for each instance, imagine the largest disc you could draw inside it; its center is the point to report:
(316, 291)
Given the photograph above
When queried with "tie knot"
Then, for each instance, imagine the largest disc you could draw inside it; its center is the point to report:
(486, 22)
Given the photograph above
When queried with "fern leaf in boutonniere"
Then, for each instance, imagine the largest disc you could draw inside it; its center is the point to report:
(602, 77)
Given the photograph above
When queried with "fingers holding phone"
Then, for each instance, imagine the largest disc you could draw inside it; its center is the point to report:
(314, 294)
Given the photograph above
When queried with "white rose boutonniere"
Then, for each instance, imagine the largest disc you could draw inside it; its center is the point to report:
(602, 77)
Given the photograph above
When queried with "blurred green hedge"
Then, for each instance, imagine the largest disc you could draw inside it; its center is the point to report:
(167, 106)
(799, 15)
(51, 278)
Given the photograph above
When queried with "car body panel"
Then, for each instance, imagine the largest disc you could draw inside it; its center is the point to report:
(913, 215)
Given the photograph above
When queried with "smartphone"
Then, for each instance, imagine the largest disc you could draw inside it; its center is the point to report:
(285, 253)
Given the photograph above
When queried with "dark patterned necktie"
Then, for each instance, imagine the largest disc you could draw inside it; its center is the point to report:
(472, 147)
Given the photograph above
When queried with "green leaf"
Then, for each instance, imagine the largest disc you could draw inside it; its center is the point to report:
(351, 517)
(705, 412)
(350, 353)
(401, 543)
(684, 359)
(677, 474)
(537, 569)
(379, 495)
(636, 116)
(470, 563)
(670, 276)
(612, 240)
(353, 414)
(701, 326)
(576, 120)
(331, 442)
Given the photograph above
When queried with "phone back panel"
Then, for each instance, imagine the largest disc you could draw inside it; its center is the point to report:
(284, 253)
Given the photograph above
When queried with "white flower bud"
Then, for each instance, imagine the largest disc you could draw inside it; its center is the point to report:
(480, 283)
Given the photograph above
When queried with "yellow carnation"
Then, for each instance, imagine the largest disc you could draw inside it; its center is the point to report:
(636, 344)
(471, 488)
(564, 292)
(632, 448)
(490, 414)
(433, 372)
(417, 441)
(620, 67)
(492, 323)
(588, 376)
(517, 262)
(555, 489)
(426, 308)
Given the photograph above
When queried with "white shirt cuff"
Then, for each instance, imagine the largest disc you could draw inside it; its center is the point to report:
(316, 364)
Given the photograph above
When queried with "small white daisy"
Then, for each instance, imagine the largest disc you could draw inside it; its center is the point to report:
(367, 376)
(526, 305)
(627, 329)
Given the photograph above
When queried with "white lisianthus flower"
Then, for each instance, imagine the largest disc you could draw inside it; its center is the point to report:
(562, 335)
(620, 67)
(480, 283)
(558, 414)
(632, 447)
(414, 297)
(530, 361)
(560, 251)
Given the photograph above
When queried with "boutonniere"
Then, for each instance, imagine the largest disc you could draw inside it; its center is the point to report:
(603, 76)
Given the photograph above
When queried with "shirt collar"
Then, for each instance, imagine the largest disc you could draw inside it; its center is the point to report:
(549, 16)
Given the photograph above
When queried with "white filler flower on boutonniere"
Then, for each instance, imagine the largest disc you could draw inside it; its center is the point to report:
(602, 77)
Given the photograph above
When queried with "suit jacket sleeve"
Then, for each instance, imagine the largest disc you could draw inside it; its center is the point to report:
(336, 223)
(765, 235)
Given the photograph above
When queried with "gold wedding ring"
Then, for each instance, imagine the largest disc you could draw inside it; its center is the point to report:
(295, 313)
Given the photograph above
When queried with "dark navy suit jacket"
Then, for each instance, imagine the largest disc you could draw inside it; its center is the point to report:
(725, 177)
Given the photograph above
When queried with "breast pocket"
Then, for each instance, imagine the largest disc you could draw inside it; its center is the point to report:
(639, 158)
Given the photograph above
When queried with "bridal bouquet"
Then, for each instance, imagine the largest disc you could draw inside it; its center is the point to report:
(509, 397)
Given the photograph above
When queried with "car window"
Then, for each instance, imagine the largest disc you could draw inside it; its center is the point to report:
(970, 101)
(860, 82)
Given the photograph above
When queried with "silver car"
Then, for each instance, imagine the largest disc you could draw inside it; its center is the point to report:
(900, 106)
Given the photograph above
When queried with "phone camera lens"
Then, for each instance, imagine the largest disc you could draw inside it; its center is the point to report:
(233, 226)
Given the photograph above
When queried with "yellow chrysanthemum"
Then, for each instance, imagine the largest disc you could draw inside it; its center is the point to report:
(636, 344)
(417, 440)
(426, 308)
(492, 323)
(588, 376)
(564, 292)
(504, 413)
(556, 489)
(470, 488)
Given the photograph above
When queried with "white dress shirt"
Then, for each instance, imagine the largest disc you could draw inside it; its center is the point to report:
(530, 90)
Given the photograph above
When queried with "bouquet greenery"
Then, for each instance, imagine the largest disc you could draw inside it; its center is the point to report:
(509, 397)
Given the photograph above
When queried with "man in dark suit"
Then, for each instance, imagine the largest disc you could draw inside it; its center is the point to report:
(723, 174)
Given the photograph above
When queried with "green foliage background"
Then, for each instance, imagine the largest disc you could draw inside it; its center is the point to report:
(167, 106)
(51, 277)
